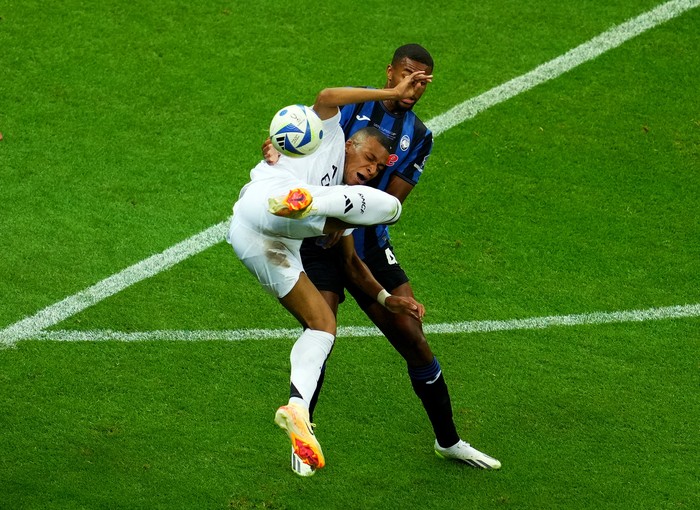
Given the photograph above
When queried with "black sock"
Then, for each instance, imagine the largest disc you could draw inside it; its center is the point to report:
(314, 399)
(430, 386)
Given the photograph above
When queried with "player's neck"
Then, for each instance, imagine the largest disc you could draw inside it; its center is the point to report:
(389, 106)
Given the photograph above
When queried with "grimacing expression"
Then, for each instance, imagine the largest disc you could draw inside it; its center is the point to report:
(395, 74)
(363, 160)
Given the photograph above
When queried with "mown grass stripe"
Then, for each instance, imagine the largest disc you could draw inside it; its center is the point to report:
(587, 51)
(32, 325)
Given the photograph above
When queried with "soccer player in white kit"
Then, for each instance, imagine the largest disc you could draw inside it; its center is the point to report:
(266, 236)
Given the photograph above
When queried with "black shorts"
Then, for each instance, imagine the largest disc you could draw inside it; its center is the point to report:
(324, 267)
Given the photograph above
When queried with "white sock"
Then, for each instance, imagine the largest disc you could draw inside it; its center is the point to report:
(358, 205)
(308, 355)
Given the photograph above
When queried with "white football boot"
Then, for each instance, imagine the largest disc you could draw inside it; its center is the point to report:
(464, 452)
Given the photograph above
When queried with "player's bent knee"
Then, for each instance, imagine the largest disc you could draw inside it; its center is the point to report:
(395, 213)
(321, 324)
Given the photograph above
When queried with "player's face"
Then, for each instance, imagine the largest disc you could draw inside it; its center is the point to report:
(363, 160)
(394, 74)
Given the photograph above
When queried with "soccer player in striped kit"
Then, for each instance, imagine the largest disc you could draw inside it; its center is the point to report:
(412, 143)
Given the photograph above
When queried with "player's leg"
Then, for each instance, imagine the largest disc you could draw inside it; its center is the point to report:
(354, 205)
(324, 269)
(301, 373)
(407, 337)
(428, 382)
(277, 265)
(313, 347)
(307, 359)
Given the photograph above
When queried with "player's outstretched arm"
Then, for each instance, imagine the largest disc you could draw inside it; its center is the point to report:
(358, 272)
(328, 100)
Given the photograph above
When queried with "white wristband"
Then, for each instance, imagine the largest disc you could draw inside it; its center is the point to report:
(381, 297)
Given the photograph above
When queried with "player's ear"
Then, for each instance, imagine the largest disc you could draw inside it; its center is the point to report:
(348, 145)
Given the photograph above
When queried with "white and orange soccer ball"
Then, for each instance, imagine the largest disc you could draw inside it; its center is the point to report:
(296, 131)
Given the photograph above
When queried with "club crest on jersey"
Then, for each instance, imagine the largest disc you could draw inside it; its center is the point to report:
(405, 143)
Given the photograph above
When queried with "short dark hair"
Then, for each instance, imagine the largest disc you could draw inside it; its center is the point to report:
(414, 52)
(373, 132)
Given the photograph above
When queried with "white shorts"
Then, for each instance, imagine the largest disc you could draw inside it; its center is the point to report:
(273, 260)
(268, 245)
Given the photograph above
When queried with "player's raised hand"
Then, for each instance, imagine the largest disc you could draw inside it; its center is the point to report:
(270, 154)
(405, 306)
(407, 87)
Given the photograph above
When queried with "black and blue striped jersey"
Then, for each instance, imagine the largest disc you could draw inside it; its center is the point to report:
(411, 141)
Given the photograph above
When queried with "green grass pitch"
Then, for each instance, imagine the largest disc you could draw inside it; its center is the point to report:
(130, 126)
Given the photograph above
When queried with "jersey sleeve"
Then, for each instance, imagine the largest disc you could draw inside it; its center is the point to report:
(347, 112)
(332, 128)
(411, 167)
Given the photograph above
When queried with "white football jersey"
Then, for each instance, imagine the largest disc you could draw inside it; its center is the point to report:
(324, 167)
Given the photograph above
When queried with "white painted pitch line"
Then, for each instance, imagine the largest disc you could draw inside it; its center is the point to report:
(53, 314)
(651, 314)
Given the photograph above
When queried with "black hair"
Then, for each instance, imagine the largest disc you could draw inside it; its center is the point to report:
(414, 52)
(373, 132)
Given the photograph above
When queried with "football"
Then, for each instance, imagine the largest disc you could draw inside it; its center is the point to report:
(296, 131)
